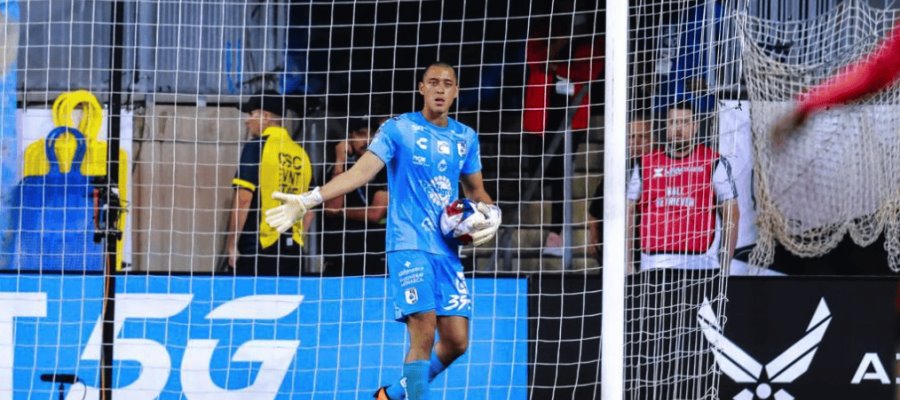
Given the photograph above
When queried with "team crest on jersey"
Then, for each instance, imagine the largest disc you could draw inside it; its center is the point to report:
(412, 297)
(461, 148)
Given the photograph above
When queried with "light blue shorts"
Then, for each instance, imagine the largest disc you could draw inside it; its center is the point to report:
(422, 282)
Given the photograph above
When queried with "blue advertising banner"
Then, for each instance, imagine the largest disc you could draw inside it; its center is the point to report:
(193, 337)
(9, 158)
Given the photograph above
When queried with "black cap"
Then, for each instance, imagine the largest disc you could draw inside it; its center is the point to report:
(270, 101)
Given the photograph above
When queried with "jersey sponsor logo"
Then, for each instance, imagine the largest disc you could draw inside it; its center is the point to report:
(411, 275)
(442, 165)
(443, 147)
(784, 369)
(461, 148)
(422, 143)
(419, 160)
(676, 171)
(439, 190)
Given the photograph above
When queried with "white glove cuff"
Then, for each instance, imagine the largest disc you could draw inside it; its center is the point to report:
(314, 199)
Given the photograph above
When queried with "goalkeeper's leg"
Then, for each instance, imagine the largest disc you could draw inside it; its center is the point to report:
(453, 307)
(453, 342)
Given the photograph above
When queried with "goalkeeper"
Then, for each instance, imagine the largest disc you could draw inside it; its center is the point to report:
(427, 154)
(867, 76)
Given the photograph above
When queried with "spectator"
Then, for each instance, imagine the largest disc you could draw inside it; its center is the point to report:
(353, 242)
(640, 142)
(270, 162)
(559, 67)
(674, 191)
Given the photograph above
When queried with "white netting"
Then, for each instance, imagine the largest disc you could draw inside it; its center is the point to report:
(839, 176)
(684, 66)
(171, 75)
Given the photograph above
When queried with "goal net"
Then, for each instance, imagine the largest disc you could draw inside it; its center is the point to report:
(688, 182)
(125, 157)
(839, 176)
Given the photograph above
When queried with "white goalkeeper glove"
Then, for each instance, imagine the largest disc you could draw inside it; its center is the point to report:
(485, 230)
(294, 207)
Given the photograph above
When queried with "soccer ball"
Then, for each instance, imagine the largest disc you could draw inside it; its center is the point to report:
(457, 220)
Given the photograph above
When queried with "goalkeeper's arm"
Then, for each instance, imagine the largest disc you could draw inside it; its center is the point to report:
(295, 206)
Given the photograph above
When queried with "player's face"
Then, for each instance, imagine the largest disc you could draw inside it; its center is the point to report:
(640, 137)
(439, 89)
(359, 141)
(680, 128)
(255, 122)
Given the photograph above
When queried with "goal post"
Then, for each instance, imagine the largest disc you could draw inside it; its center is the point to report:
(615, 155)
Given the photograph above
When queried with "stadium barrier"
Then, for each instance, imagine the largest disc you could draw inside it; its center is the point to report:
(532, 337)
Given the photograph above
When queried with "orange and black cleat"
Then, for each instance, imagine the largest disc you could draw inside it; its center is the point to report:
(381, 394)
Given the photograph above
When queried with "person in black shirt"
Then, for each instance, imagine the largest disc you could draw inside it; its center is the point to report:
(640, 142)
(353, 242)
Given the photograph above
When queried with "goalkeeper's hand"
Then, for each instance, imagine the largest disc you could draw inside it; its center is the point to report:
(294, 207)
(485, 230)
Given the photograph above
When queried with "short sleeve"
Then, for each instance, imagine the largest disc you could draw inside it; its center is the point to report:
(247, 174)
(634, 184)
(473, 156)
(384, 144)
(723, 181)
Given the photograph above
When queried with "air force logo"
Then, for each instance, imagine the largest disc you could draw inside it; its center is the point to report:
(784, 369)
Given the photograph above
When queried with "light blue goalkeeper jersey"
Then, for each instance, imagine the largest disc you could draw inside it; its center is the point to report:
(424, 163)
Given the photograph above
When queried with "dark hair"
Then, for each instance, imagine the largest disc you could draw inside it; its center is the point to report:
(356, 123)
(436, 64)
(640, 109)
(681, 105)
